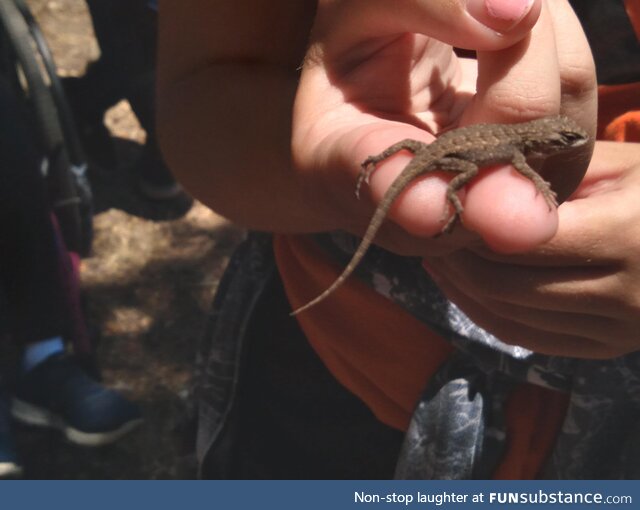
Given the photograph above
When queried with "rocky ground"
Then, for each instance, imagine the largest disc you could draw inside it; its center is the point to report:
(147, 286)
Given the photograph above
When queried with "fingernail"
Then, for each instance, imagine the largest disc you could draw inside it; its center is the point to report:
(500, 15)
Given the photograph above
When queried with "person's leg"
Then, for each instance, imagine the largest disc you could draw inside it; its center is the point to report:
(28, 276)
(9, 465)
(29, 266)
(155, 179)
(51, 389)
(121, 52)
(126, 34)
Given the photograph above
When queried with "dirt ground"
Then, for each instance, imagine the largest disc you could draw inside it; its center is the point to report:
(148, 286)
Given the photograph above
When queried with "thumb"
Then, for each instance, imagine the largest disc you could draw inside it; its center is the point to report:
(472, 24)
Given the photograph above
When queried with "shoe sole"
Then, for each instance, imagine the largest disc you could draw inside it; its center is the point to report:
(40, 417)
(10, 470)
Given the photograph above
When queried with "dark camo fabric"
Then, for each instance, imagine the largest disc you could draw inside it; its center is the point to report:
(457, 430)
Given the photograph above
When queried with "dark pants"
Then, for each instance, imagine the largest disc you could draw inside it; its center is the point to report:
(126, 34)
(292, 419)
(30, 277)
(126, 31)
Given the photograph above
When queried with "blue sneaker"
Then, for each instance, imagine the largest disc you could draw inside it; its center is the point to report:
(9, 466)
(59, 394)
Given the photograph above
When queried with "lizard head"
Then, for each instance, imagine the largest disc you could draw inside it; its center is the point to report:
(552, 134)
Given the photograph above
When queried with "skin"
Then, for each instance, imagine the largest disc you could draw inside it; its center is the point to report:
(340, 119)
(225, 100)
(278, 149)
(220, 68)
(576, 294)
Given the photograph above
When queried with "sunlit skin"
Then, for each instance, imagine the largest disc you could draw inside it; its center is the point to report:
(279, 149)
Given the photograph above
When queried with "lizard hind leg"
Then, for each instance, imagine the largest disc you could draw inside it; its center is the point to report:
(466, 171)
(369, 164)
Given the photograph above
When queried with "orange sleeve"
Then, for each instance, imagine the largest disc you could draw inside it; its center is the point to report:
(375, 349)
(633, 11)
(619, 106)
(619, 112)
(534, 416)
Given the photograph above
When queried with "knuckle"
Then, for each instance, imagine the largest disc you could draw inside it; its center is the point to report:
(526, 102)
(578, 79)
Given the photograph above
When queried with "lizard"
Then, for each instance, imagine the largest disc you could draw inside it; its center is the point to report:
(463, 152)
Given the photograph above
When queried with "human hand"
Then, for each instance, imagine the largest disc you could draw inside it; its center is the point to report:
(576, 295)
(378, 72)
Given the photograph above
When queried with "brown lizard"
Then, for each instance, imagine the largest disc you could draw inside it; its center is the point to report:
(464, 151)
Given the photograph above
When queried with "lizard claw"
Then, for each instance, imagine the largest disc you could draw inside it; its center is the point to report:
(365, 175)
(449, 223)
(550, 196)
(552, 199)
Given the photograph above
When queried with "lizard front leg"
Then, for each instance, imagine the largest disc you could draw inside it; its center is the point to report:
(369, 164)
(519, 162)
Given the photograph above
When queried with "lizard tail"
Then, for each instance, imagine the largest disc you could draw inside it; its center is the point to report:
(357, 257)
(324, 295)
(376, 222)
(367, 239)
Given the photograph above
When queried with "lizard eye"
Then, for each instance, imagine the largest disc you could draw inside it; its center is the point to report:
(572, 138)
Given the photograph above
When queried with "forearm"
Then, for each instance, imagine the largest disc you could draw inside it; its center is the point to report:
(226, 133)
(226, 86)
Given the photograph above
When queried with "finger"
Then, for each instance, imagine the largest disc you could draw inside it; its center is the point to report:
(597, 221)
(549, 72)
(419, 209)
(515, 84)
(601, 329)
(520, 82)
(472, 24)
(564, 289)
(514, 333)
(399, 241)
(578, 84)
(530, 79)
(508, 212)
(588, 236)
(578, 88)
(583, 239)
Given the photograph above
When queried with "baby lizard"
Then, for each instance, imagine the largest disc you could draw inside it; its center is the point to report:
(463, 152)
